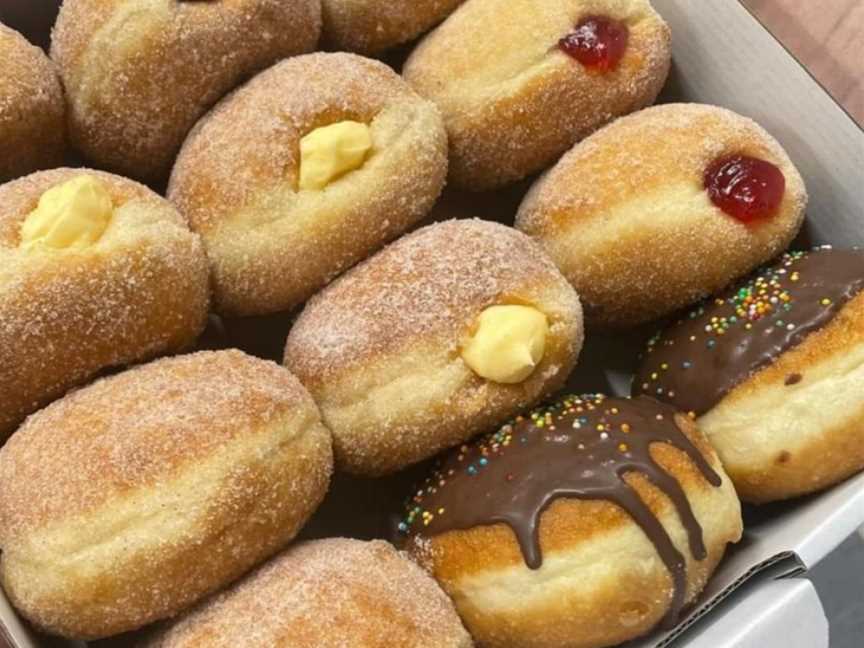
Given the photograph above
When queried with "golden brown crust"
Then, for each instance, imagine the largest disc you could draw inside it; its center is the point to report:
(512, 100)
(379, 348)
(602, 582)
(139, 74)
(272, 246)
(140, 291)
(372, 26)
(131, 499)
(613, 235)
(32, 110)
(780, 440)
(328, 594)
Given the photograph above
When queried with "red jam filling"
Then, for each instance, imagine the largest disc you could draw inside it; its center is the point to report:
(746, 188)
(597, 42)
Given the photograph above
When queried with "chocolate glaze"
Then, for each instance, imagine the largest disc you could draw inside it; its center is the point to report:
(579, 448)
(693, 365)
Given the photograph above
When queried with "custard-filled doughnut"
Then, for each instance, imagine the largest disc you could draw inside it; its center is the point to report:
(664, 207)
(372, 26)
(309, 168)
(519, 84)
(327, 594)
(131, 499)
(32, 111)
(447, 332)
(774, 370)
(139, 73)
(96, 271)
(586, 524)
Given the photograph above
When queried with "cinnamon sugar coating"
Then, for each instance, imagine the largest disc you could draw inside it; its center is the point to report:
(139, 73)
(131, 499)
(32, 109)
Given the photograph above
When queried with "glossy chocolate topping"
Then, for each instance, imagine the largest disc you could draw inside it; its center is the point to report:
(699, 360)
(581, 447)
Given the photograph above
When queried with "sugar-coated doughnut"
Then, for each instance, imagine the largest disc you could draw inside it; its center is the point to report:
(131, 289)
(139, 73)
(774, 370)
(309, 168)
(131, 499)
(586, 523)
(329, 593)
(372, 26)
(518, 84)
(32, 110)
(664, 207)
(383, 349)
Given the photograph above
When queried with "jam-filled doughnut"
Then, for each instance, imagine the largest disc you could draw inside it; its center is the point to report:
(327, 594)
(595, 518)
(774, 370)
(32, 110)
(664, 207)
(447, 332)
(97, 272)
(372, 26)
(519, 84)
(306, 170)
(131, 499)
(138, 74)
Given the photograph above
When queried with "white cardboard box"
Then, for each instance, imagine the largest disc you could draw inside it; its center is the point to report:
(722, 55)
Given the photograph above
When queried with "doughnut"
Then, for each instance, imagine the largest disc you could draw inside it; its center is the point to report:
(305, 171)
(664, 207)
(328, 593)
(131, 499)
(585, 523)
(445, 333)
(371, 26)
(32, 111)
(773, 369)
(96, 271)
(139, 73)
(518, 85)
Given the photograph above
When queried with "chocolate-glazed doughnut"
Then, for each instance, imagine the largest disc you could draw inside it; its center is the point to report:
(594, 518)
(773, 369)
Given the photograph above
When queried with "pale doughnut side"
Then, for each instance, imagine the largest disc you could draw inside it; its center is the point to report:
(621, 204)
(602, 581)
(32, 109)
(512, 100)
(372, 26)
(271, 245)
(780, 440)
(379, 348)
(140, 291)
(329, 594)
(138, 74)
(131, 499)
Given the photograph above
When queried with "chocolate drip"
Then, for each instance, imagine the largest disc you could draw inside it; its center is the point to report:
(579, 448)
(699, 360)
